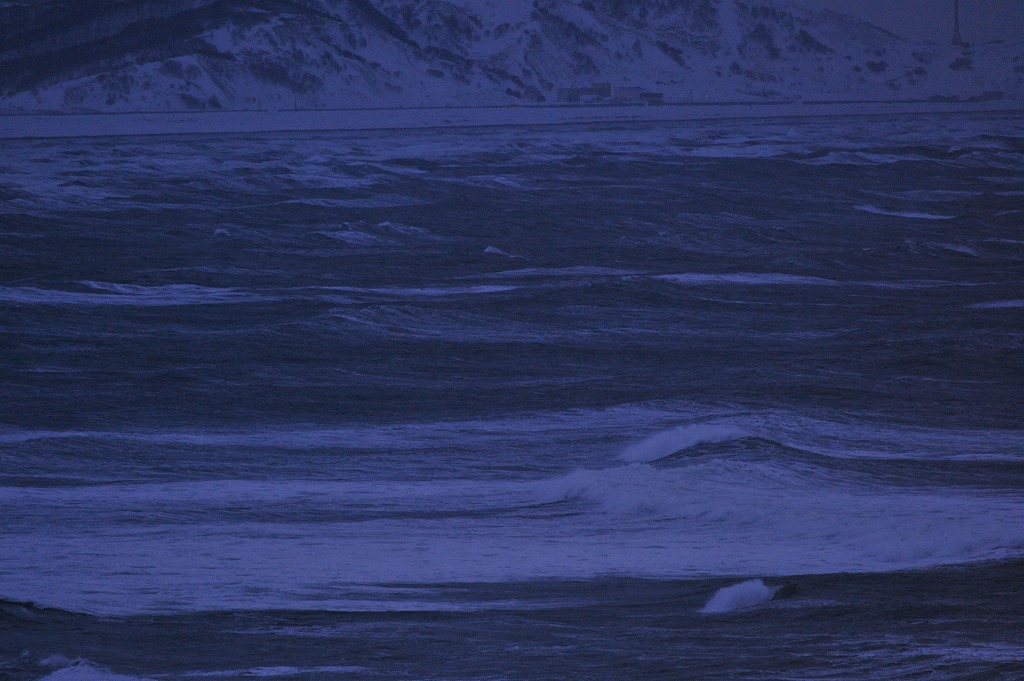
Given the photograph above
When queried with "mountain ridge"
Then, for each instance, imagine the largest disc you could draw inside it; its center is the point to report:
(113, 55)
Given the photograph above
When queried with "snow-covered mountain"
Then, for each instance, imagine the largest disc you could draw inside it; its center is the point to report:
(119, 55)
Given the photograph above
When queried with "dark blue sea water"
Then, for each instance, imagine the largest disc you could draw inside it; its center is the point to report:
(718, 400)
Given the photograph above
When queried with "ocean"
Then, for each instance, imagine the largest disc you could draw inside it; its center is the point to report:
(728, 399)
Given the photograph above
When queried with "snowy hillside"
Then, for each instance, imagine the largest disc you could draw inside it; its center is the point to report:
(113, 55)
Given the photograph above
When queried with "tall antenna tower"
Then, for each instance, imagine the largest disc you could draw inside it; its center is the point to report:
(957, 40)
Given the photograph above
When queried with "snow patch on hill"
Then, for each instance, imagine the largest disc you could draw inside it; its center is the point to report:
(166, 55)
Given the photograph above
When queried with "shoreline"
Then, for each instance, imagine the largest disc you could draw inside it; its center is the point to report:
(114, 124)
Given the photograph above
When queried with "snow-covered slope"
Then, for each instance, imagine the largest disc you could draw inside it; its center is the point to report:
(118, 55)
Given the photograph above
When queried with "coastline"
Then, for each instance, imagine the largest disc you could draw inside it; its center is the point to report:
(63, 125)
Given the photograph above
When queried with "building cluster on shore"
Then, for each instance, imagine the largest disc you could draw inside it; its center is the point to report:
(604, 93)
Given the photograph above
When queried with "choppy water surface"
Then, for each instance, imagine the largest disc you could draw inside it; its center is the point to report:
(516, 403)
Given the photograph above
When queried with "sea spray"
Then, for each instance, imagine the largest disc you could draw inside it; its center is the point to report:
(738, 596)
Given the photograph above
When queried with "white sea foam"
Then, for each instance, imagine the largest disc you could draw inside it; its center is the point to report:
(58, 661)
(913, 215)
(190, 549)
(668, 442)
(911, 284)
(494, 250)
(560, 428)
(424, 291)
(383, 233)
(354, 237)
(400, 228)
(575, 271)
(749, 150)
(129, 295)
(211, 495)
(80, 670)
(960, 248)
(274, 672)
(998, 305)
(375, 201)
(859, 158)
(326, 177)
(323, 542)
(493, 181)
(838, 439)
(973, 653)
(460, 325)
(739, 596)
(746, 279)
(778, 279)
(928, 195)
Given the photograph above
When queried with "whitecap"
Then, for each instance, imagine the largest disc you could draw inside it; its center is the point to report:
(959, 248)
(867, 208)
(739, 596)
(746, 278)
(273, 672)
(857, 158)
(80, 670)
(383, 233)
(321, 203)
(494, 250)
(492, 181)
(973, 653)
(376, 201)
(128, 295)
(424, 291)
(998, 305)
(928, 195)
(739, 151)
(400, 228)
(354, 237)
(706, 517)
(573, 271)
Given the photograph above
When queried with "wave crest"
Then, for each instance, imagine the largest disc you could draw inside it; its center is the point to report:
(739, 596)
(80, 670)
(684, 437)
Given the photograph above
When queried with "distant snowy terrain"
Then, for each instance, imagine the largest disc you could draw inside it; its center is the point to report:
(167, 55)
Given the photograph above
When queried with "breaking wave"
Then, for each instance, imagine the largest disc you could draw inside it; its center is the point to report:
(80, 670)
(684, 437)
(739, 596)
